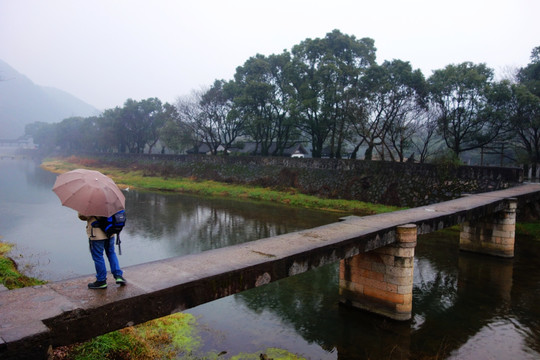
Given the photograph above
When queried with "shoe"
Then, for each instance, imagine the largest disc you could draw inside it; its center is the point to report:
(98, 285)
(120, 280)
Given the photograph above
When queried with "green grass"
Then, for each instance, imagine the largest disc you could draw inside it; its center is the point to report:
(529, 229)
(139, 180)
(170, 337)
(115, 345)
(10, 277)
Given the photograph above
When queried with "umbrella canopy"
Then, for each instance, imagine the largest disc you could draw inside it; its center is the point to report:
(89, 192)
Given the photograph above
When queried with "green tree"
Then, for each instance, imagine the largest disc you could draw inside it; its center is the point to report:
(529, 76)
(69, 134)
(391, 105)
(141, 121)
(220, 125)
(131, 119)
(44, 135)
(90, 139)
(111, 132)
(526, 110)
(174, 134)
(155, 117)
(526, 121)
(325, 76)
(460, 94)
(262, 97)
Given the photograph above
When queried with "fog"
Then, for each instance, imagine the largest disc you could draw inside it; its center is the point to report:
(105, 52)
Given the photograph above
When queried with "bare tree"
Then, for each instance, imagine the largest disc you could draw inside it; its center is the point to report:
(188, 125)
(424, 141)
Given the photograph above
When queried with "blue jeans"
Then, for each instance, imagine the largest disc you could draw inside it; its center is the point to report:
(96, 249)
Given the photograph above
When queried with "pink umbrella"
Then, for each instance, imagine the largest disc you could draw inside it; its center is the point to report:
(89, 192)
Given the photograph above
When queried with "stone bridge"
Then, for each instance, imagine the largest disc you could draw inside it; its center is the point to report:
(376, 256)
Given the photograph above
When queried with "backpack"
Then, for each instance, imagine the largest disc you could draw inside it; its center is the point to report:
(112, 225)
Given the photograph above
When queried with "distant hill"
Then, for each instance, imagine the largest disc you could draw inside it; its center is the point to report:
(23, 102)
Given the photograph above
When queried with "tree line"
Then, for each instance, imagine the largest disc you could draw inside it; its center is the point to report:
(330, 94)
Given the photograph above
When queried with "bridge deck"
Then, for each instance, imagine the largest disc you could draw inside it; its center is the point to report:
(65, 312)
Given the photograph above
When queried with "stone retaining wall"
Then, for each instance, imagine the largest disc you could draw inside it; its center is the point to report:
(390, 183)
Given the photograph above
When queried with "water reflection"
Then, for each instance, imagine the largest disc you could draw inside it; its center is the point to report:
(17, 175)
(464, 307)
(184, 224)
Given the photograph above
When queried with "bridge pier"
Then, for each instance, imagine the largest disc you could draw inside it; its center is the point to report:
(381, 280)
(493, 234)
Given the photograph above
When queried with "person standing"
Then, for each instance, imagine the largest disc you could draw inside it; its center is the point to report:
(99, 242)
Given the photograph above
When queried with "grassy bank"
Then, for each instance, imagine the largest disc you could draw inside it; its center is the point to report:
(136, 178)
(171, 337)
(164, 338)
(10, 276)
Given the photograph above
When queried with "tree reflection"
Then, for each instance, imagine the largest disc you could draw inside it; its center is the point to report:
(191, 224)
(456, 295)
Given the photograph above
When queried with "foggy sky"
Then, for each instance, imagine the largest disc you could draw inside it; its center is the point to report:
(106, 51)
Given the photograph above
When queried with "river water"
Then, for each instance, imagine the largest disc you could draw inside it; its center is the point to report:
(465, 306)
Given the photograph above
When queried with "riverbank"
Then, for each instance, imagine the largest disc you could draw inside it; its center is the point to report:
(138, 177)
(10, 276)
